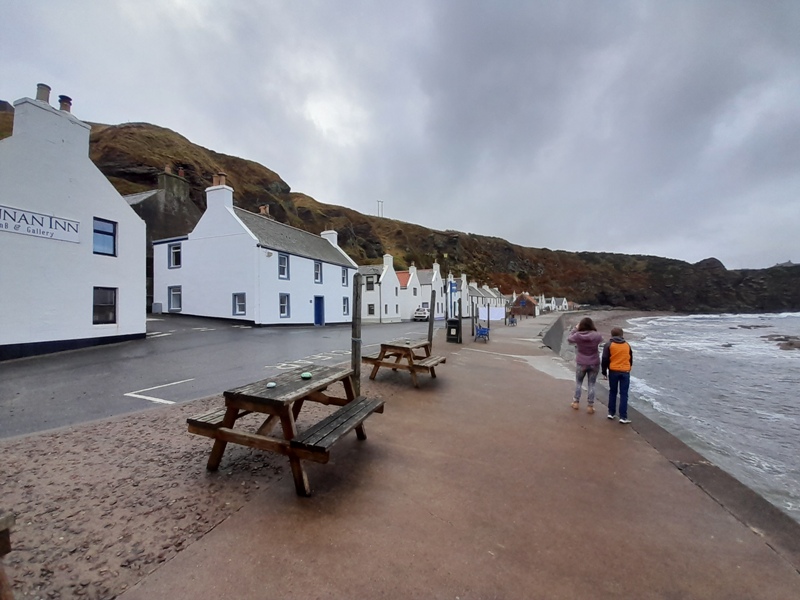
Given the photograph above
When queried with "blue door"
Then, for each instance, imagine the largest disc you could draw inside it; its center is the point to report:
(319, 310)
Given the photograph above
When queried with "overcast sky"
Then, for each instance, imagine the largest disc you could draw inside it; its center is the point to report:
(665, 127)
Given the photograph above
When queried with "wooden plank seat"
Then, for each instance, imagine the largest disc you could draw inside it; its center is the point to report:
(208, 422)
(430, 361)
(318, 439)
(371, 358)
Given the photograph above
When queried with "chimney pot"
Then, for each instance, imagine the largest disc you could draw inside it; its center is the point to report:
(264, 209)
(215, 180)
(43, 92)
(65, 103)
(181, 172)
(221, 179)
(168, 169)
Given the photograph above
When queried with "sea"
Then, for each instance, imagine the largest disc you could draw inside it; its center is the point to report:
(723, 385)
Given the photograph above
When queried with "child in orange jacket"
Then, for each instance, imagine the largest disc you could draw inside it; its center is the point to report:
(617, 362)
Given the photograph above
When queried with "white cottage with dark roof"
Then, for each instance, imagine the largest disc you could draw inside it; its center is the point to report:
(72, 252)
(239, 265)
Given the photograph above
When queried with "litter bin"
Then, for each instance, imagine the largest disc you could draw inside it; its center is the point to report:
(454, 330)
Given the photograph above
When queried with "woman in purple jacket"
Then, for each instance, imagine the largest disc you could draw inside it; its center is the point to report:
(587, 358)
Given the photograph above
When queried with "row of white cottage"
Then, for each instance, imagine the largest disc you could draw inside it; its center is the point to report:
(72, 255)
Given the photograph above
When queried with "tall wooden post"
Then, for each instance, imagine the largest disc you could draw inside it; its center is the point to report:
(355, 349)
(431, 314)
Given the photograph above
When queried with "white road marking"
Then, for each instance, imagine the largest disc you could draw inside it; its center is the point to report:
(137, 393)
(157, 334)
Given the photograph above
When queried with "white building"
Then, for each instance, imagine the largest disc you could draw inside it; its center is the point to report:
(431, 280)
(410, 292)
(380, 292)
(72, 252)
(239, 265)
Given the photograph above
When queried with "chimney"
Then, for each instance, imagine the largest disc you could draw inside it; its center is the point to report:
(43, 92)
(65, 103)
(219, 194)
(388, 260)
(331, 236)
(263, 209)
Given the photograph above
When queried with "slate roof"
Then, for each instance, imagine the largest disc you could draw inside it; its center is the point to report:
(370, 269)
(132, 199)
(285, 238)
(425, 276)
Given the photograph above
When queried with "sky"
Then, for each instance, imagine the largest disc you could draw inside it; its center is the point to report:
(666, 127)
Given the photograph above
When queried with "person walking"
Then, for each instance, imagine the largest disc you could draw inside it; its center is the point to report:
(617, 362)
(587, 360)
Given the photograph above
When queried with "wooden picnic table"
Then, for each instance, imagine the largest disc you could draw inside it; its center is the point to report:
(413, 356)
(6, 523)
(282, 404)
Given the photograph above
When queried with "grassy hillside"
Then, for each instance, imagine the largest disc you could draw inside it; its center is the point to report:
(133, 154)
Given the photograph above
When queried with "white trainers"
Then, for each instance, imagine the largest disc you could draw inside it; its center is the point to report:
(612, 417)
(624, 421)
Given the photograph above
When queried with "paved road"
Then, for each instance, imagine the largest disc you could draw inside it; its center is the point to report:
(182, 359)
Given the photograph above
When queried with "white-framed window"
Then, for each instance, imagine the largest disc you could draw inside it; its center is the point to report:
(370, 283)
(345, 305)
(285, 307)
(240, 304)
(104, 306)
(174, 256)
(283, 266)
(396, 291)
(386, 309)
(370, 309)
(174, 298)
(344, 277)
(396, 309)
(317, 271)
(415, 291)
(105, 237)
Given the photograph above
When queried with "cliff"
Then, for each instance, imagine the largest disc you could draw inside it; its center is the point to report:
(133, 155)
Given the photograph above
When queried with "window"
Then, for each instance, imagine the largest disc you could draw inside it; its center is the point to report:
(396, 309)
(344, 276)
(174, 298)
(284, 304)
(283, 266)
(105, 237)
(104, 306)
(396, 292)
(370, 309)
(386, 309)
(239, 304)
(345, 305)
(317, 272)
(174, 256)
(370, 283)
(415, 291)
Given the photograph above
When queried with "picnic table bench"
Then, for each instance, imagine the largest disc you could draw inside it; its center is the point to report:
(405, 354)
(282, 403)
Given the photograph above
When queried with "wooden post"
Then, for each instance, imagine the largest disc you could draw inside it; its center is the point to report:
(355, 350)
(431, 314)
(6, 522)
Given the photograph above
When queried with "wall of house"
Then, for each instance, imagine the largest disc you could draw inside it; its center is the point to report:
(47, 284)
(302, 290)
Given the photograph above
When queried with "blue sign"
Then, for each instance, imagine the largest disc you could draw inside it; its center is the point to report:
(522, 303)
(453, 286)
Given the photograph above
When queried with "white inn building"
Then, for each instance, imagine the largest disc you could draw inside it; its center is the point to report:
(72, 252)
